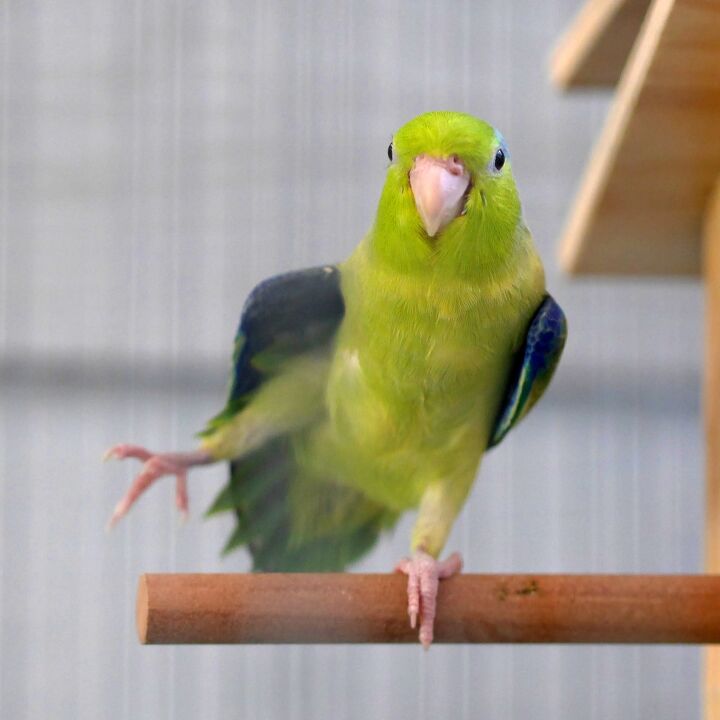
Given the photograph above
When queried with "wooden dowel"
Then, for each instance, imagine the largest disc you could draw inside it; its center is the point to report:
(353, 608)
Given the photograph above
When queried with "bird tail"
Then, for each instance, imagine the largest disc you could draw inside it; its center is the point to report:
(292, 522)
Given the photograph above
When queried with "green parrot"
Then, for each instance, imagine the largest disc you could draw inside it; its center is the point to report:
(366, 389)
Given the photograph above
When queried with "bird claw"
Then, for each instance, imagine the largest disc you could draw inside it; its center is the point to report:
(115, 517)
(123, 451)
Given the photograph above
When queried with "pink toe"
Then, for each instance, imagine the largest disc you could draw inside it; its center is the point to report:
(181, 494)
(426, 635)
(413, 592)
(124, 450)
(450, 566)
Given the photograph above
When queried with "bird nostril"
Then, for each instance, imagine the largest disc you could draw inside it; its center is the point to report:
(455, 165)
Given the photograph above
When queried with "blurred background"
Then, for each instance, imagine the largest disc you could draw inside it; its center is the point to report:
(159, 158)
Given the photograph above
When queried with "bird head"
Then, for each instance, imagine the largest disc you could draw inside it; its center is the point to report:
(449, 196)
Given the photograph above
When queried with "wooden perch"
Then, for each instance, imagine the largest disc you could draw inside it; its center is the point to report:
(353, 608)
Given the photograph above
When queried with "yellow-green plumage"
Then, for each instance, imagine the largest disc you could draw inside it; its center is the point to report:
(394, 410)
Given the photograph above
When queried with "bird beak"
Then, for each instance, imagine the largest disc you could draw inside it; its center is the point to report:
(439, 186)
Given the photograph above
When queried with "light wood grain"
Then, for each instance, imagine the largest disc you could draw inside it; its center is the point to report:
(711, 400)
(595, 48)
(350, 608)
(640, 206)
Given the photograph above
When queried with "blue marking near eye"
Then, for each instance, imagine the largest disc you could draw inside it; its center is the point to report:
(501, 142)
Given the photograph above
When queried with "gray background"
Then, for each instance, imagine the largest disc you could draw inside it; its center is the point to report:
(158, 159)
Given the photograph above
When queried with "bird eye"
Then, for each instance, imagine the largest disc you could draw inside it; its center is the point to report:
(499, 159)
(390, 152)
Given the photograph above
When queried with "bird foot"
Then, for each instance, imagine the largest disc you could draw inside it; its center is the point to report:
(155, 466)
(424, 574)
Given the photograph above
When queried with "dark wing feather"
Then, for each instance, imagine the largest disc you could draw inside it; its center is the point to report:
(534, 368)
(283, 316)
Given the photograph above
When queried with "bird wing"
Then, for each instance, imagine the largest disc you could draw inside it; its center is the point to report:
(534, 366)
(283, 317)
(289, 522)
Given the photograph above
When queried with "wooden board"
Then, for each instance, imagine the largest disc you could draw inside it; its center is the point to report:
(595, 48)
(640, 206)
(711, 400)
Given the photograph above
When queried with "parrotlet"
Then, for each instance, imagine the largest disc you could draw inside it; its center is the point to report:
(373, 387)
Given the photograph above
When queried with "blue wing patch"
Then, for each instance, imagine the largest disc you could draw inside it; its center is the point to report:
(536, 364)
(283, 316)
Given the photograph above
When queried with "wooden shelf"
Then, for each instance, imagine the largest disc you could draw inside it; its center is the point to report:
(640, 206)
(592, 53)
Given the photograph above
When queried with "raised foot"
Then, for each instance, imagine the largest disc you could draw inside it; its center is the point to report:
(424, 574)
(155, 466)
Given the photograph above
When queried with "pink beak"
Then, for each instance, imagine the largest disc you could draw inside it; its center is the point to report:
(439, 187)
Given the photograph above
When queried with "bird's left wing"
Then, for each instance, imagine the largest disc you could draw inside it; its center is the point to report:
(535, 364)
